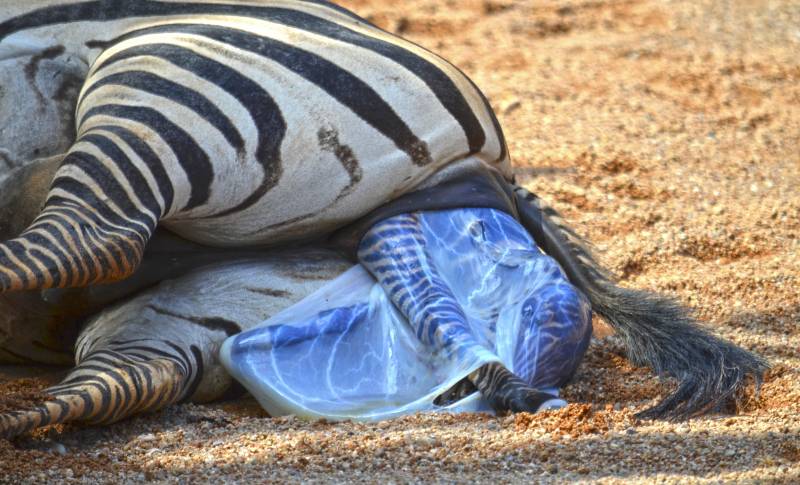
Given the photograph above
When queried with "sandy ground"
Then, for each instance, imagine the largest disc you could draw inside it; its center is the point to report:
(667, 132)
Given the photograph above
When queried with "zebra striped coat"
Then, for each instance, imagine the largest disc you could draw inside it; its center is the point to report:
(278, 96)
(153, 339)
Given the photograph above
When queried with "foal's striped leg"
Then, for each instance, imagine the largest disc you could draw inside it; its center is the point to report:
(394, 251)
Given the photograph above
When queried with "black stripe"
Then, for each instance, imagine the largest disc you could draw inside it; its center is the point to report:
(438, 81)
(88, 381)
(95, 229)
(270, 292)
(18, 250)
(71, 381)
(151, 350)
(69, 216)
(88, 403)
(153, 84)
(129, 341)
(83, 394)
(132, 174)
(264, 111)
(149, 157)
(108, 184)
(59, 248)
(211, 323)
(111, 363)
(64, 411)
(192, 158)
(45, 417)
(100, 10)
(198, 356)
(135, 355)
(440, 84)
(148, 382)
(135, 372)
(112, 356)
(91, 234)
(114, 374)
(49, 265)
(348, 89)
(55, 221)
(105, 394)
(185, 361)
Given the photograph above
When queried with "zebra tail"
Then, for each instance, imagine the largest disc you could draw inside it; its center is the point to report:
(104, 388)
(656, 330)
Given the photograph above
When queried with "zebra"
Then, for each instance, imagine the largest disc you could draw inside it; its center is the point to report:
(259, 124)
(160, 347)
(140, 351)
(143, 350)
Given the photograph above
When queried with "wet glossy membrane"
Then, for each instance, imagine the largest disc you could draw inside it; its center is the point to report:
(346, 352)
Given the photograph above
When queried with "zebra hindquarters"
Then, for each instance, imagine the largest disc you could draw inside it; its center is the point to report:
(161, 346)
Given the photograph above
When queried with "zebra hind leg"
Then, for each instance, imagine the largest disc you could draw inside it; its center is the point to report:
(105, 387)
(89, 231)
(394, 251)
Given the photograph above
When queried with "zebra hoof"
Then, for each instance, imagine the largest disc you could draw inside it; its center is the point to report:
(529, 400)
(551, 404)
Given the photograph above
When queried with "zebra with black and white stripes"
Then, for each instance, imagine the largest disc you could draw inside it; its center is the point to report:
(277, 97)
(148, 341)
(251, 124)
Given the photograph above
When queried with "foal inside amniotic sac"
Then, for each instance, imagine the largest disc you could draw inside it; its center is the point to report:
(464, 301)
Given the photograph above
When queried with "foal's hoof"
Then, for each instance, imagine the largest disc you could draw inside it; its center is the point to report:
(554, 403)
(508, 393)
(529, 400)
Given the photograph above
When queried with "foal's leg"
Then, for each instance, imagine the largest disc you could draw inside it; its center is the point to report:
(395, 252)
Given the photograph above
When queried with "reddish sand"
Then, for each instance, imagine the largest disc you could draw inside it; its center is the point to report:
(665, 131)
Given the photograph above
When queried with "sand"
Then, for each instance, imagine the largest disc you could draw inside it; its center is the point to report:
(665, 131)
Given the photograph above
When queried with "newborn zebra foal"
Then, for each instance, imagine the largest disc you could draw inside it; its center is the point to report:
(241, 124)
(427, 265)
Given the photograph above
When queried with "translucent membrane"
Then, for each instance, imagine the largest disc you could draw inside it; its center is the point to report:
(346, 352)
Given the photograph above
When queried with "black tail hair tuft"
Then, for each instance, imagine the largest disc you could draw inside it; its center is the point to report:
(656, 330)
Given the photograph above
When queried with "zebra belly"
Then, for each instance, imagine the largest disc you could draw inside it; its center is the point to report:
(197, 311)
(324, 204)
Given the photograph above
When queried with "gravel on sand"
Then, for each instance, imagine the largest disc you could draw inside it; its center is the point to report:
(666, 131)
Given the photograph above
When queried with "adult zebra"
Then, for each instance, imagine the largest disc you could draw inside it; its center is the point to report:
(253, 124)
